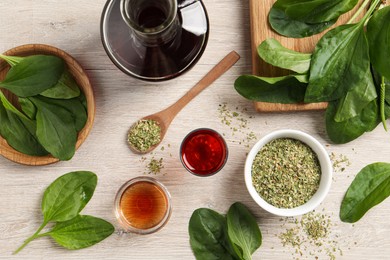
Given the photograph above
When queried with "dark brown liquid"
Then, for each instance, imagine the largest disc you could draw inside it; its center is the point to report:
(151, 17)
(144, 205)
(156, 62)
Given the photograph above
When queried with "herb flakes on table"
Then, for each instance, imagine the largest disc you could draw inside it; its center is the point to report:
(235, 119)
(286, 173)
(339, 162)
(310, 236)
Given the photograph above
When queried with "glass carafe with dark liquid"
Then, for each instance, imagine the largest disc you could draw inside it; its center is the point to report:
(154, 39)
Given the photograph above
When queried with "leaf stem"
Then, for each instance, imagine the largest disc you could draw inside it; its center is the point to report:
(382, 103)
(361, 8)
(373, 6)
(28, 240)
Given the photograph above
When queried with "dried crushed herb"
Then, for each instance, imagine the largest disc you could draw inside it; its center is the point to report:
(154, 162)
(339, 162)
(155, 166)
(236, 120)
(144, 134)
(286, 173)
(311, 235)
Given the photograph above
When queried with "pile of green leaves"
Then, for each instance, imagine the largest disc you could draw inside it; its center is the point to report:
(370, 187)
(349, 69)
(52, 107)
(62, 202)
(302, 18)
(215, 236)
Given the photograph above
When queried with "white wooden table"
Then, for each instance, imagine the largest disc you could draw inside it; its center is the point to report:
(73, 26)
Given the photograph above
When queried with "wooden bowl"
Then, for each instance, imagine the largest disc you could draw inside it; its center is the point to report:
(82, 80)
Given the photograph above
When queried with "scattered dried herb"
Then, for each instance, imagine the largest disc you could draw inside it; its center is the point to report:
(286, 173)
(310, 235)
(339, 162)
(155, 166)
(236, 120)
(144, 134)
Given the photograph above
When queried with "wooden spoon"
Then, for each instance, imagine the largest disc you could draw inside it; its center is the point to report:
(165, 117)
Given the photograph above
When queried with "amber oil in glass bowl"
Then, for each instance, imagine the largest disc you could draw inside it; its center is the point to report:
(143, 205)
(203, 152)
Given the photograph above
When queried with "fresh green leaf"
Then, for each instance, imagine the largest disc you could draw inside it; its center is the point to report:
(288, 27)
(14, 130)
(12, 60)
(74, 106)
(348, 130)
(378, 34)
(243, 230)
(28, 107)
(286, 89)
(208, 235)
(33, 74)
(65, 88)
(339, 63)
(56, 129)
(357, 98)
(81, 232)
(370, 187)
(272, 52)
(8, 105)
(68, 195)
(62, 202)
(316, 11)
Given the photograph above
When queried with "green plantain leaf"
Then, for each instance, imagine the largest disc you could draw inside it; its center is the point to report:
(56, 129)
(370, 187)
(33, 74)
(287, 89)
(65, 88)
(68, 195)
(272, 52)
(208, 235)
(19, 133)
(350, 129)
(81, 232)
(378, 34)
(243, 231)
(289, 27)
(74, 106)
(356, 99)
(316, 11)
(339, 63)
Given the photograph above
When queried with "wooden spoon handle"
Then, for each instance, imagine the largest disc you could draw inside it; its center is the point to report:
(219, 69)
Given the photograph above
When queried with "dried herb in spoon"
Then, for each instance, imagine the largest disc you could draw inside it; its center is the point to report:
(144, 134)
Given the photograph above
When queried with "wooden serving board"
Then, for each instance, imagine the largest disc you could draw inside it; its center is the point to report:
(260, 31)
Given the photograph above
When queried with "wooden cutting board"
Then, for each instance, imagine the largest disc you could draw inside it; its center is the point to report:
(261, 30)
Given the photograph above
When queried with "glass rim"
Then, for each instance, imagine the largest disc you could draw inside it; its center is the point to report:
(125, 223)
(124, 4)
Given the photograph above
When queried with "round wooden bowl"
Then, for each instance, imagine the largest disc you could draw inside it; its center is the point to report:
(82, 80)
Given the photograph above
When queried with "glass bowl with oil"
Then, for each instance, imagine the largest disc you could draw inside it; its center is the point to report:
(143, 205)
(288, 173)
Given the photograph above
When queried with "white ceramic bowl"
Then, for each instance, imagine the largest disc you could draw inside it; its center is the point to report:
(326, 173)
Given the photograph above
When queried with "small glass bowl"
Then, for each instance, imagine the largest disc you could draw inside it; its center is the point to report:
(326, 173)
(203, 152)
(135, 214)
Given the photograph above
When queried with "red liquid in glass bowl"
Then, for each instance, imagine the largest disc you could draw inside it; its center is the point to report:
(203, 152)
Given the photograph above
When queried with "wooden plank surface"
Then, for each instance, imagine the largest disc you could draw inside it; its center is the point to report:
(73, 26)
(260, 31)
